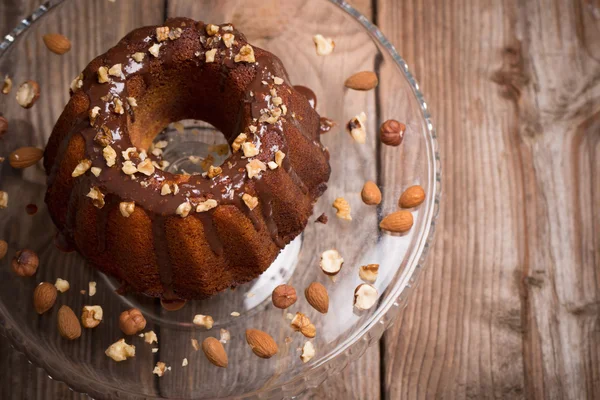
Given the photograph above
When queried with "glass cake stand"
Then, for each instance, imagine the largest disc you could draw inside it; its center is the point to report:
(286, 29)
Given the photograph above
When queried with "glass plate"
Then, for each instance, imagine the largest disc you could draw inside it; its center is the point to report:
(343, 334)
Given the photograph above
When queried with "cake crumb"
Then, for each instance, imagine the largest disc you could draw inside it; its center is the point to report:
(203, 320)
(120, 351)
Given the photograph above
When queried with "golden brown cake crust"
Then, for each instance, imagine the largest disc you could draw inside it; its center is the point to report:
(204, 233)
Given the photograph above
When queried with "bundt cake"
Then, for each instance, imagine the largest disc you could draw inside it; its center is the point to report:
(179, 236)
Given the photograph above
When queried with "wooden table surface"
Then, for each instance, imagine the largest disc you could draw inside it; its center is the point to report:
(509, 304)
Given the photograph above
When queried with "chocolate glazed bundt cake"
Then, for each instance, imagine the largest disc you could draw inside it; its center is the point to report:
(173, 236)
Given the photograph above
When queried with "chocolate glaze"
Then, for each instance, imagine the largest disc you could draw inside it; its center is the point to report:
(62, 243)
(31, 209)
(227, 188)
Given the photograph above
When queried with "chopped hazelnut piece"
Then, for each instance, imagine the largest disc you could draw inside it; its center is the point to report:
(127, 153)
(365, 296)
(110, 155)
(212, 29)
(116, 70)
(206, 205)
(162, 33)
(175, 33)
(210, 55)
(132, 102)
(279, 156)
(255, 167)
(308, 352)
(77, 83)
(302, 324)
(195, 344)
(81, 168)
(184, 363)
(7, 85)
(93, 114)
(62, 285)
(97, 197)
(91, 288)
(160, 369)
(369, 273)
(228, 39)
(184, 209)
(161, 144)
(150, 337)
(138, 57)
(277, 101)
(127, 208)
(96, 171)
(252, 128)
(284, 109)
(227, 28)
(272, 165)
(129, 168)
(357, 128)
(154, 49)
(246, 54)
(331, 262)
(324, 45)
(249, 149)
(91, 316)
(203, 320)
(343, 208)
(3, 199)
(277, 80)
(165, 189)
(146, 167)
(103, 75)
(120, 351)
(118, 106)
(250, 201)
(237, 143)
(225, 336)
(214, 171)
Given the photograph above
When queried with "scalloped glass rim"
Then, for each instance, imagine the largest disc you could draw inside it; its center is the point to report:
(374, 328)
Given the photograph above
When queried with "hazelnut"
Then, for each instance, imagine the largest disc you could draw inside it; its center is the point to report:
(132, 321)
(308, 352)
(3, 248)
(392, 132)
(25, 263)
(284, 296)
(91, 316)
(3, 125)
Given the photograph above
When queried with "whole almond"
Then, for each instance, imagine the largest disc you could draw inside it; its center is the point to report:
(215, 352)
(68, 323)
(284, 296)
(3, 249)
(316, 295)
(412, 197)
(3, 125)
(371, 195)
(365, 80)
(44, 297)
(25, 157)
(262, 344)
(397, 222)
(28, 93)
(57, 43)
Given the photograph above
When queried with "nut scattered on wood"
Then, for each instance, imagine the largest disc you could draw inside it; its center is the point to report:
(132, 321)
(3, 125)
(358, 129)
(261, 343)
(322, 219)
(160, 369)
(391, 132)
(91, 316)
(308, 352)
(7, 85)
(371, 195)
(57, 43)
(68, 323)
(369, 273)
(397, 222)
(3, 249)
(331, 262)
(120, 351)
(25, 263)
(195, 344)
(365, 296)
(150, 337)
(343, 209)
(215, 352)
(317, 296)
(28, 93)
(62, 285)
(44, 297)
(203, 320)
(325, 46)
(412, 197)
(301, 323)
(25, 157)
(284, 296)
(364, 80)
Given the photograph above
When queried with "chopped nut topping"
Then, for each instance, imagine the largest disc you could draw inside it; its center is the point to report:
(284, 109)
(246, 54)
(118, 106)
(162, 33)
(62, 285)
(277, 101)
(250, 201)
(214, 171)
(120, 351)
(94, 114)
(279, 156)
(127, 153)
(175, 33)
(255, 167)
(96, 171)
(161, 144)
(110, 155)
(237, 143)
(228, 39)
(129, 168)
(139, 56)
(212, 30)
(249, 149)
(277, 80)
(184, 209)
(81, 168)
(195, 344)
(104, 137)
(272, 165)
(160, 369)
(126, 208)
(116, 70)
(357, 128)
(365, 296)
(343, 208)
(235, 314)
(155, 49)
(175, 188)
(252, 128)
(97, 197)
(203, 320)
(77, 83)
(206, 205)
(210, 55)
(302, 324)
(150, 337)
(132, 102)
(331, 262)
(103, 75)
(324, 45)
(3, 199)
(308, 352)
(165, 190)
(146, 167)
(369, 273)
